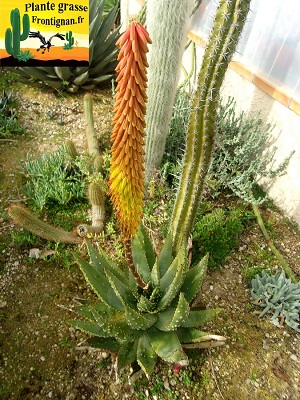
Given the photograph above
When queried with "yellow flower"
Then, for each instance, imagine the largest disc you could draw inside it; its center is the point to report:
(127, 161)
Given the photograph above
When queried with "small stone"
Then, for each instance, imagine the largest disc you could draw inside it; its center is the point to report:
(42, 358)
(293, 357)
(265, 346)
(172, 382)
(166, 385)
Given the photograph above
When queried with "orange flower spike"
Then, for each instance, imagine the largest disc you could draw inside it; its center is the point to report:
(127, 161)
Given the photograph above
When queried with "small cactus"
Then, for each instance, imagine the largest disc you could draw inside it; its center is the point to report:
(70, 39)
(13, 36)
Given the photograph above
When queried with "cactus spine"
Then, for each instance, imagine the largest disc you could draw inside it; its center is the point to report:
(168, 23)
(13, 37)
(228, 24)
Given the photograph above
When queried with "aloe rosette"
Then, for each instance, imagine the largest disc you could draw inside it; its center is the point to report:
(145, 324)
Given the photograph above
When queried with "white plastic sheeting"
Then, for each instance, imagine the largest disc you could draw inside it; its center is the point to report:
(270, 43)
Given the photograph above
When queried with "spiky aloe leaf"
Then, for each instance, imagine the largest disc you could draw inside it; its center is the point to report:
(146, 356)
(139, 321)
(101, 261)
(140, 259)
(85, 310)
(155, 276)
(200, 317)
(146, 305)
(167, 278)
(190, 335)
(100, 284)
(127, 353)
(172, 318)
(116, 325)
(104, 343)
(194, 278)
(166, 345)
(146, 242)
(121, 289)
(165, 257)
(169, 292)
(90, 328)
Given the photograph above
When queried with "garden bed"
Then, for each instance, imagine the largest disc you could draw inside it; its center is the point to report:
(42, 356)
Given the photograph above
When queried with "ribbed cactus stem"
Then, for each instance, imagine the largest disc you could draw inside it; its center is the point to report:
(228, 24)
(71, 149)
(13, 36)
(92, 141)
(40, 228)
(98, 164)
(167, 23)
(96, 197)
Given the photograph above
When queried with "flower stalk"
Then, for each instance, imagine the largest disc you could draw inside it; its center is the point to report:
(127, 161)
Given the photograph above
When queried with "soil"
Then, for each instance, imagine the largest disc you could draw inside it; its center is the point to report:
(43, 357)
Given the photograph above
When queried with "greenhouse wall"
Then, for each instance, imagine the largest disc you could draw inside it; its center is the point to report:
(264, 79)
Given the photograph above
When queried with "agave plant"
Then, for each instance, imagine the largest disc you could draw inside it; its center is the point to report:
(103, 57)
(145, 324)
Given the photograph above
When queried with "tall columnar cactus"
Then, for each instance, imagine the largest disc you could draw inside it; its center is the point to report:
(228, 24)
(13, 37)
(167, 23)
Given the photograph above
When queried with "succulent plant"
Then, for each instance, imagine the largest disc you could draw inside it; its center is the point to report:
(13, 36)
(6, 101)
(142, 324)
(103, 54)
(227, 27)
(278, 295)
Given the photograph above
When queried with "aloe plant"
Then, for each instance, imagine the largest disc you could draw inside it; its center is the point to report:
(145, 324)
(103, 55)
(144, 312)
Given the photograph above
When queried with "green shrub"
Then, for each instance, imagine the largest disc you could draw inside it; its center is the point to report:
(217, 233)
(242, 154)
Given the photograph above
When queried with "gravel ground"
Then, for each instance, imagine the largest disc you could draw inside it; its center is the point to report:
(42, 357)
